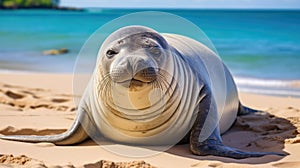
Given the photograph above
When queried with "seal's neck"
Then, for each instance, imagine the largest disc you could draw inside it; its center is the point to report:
(137, 98)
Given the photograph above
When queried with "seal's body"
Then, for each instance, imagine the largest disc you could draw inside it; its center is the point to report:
(154, 89)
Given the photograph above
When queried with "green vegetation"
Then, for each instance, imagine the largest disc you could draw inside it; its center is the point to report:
(15, 4)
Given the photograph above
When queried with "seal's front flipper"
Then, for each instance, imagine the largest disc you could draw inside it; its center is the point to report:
(212, 147)
(75, 134)
(205, 138)
(225, 151)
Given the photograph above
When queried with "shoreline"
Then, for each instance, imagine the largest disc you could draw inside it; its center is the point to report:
(30, 78)
(247, 85)
(276, 129)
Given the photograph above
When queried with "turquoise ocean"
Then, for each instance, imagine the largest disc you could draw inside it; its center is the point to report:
(260, 47)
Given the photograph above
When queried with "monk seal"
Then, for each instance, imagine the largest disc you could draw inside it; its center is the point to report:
(154, 89)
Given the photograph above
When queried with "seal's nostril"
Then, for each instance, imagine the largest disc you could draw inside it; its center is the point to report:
(151, 70)
(148, 73)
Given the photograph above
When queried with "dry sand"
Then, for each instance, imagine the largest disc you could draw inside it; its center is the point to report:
(42, 104)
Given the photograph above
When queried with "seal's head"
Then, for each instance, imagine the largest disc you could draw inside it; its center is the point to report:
(135, 82)
(133, 79)
(133, 55)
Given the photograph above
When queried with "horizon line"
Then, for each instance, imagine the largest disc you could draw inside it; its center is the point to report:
(184, 8)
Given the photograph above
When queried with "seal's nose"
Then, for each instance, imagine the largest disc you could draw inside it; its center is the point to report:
(129, 68)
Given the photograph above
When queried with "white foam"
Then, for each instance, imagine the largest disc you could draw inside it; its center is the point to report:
(271, 92)
(267, 82)
(7, 71)
(269, 86)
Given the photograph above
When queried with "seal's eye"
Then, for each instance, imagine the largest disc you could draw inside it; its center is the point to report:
(111, 52)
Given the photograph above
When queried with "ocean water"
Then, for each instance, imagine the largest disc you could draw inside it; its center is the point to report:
(260, 47)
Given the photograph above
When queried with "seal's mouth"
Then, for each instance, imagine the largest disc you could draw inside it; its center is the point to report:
(135, 84)
(136, 81)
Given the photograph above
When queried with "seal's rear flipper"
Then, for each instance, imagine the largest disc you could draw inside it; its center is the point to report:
(75, 134)
(243, 110)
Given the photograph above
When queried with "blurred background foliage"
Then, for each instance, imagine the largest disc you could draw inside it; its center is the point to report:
(15, 4)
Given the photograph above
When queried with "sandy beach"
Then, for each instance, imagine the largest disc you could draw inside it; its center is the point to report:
(41, 104)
